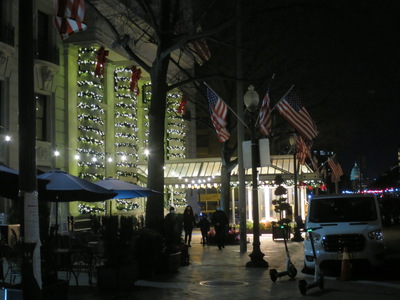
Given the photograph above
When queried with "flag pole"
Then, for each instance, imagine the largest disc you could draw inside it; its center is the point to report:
(227, 106)
(283, 97)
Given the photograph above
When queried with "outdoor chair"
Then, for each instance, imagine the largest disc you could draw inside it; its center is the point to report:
(13, 263)
(85, 258)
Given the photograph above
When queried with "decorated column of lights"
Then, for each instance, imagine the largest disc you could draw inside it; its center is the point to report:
(146, 107)
(175, 128)
(175, 141)
(126, 128)
(91, 151)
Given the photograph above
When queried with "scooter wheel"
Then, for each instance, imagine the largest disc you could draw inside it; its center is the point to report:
(292, 271)
(321, 282)
(273, 274)
(303, 287)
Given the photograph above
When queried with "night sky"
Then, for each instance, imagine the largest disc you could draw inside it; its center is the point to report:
(344, 59)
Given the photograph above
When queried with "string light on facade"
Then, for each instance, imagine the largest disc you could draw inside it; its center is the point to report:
(91, 115)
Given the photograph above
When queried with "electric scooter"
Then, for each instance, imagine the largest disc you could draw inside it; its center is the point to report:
(318, 276)
(290, 268)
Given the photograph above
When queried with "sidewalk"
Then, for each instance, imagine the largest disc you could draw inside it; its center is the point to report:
(222, 274)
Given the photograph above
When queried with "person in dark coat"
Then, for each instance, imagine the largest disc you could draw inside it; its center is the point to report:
(220, 221)
(171, 233)
(188, 223)
(204, 225)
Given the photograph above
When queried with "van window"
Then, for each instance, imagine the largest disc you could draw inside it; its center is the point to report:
(344, 209)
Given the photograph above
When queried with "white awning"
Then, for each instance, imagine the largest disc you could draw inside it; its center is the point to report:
(209, 170)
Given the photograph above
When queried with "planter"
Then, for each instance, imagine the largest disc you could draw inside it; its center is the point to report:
(56, 290)
(11, 292)
(147, 267)
(174, 262)
(279, 233)
(112, 278)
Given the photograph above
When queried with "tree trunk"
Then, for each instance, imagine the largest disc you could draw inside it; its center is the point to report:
(225, 189)
(155, 203)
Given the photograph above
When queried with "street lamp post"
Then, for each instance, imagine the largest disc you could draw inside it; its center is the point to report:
(297, 234)
(251, 100)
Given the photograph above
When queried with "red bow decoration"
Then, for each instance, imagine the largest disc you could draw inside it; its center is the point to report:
(101, 60)
(182, 107)
(136, 75)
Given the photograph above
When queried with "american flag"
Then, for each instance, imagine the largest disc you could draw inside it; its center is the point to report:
(292, 109)
(69, 17)
(265, 116)
(200, 51)
(336, 169)
(303, 150)
(219, 111)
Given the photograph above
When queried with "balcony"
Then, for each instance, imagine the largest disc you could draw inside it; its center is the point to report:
(47, 59)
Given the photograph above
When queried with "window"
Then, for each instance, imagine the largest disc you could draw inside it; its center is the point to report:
(6, 27)
(41, 118)
(45, 48)
(343, 210)
(3, 108)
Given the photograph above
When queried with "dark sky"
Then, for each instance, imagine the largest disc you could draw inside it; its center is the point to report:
(344, 59)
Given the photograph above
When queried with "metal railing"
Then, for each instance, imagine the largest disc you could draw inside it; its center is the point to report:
(7, 33)
(47, 51)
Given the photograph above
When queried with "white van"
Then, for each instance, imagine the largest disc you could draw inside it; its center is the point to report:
(351, 221)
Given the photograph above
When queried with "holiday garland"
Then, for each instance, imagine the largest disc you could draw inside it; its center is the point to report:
(175, 128)
(126, 205)
(126, 127)
(91, 116)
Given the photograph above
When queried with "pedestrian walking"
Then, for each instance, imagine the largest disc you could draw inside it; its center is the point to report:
(204, 225)
(220, 221)
(188, 223)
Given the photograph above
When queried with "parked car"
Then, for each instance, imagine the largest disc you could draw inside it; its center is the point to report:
(344, 221)
(390, 210)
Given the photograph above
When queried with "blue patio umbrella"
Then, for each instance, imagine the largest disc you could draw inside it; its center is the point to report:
(64, 187)
(125, 190)
(9, 182)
